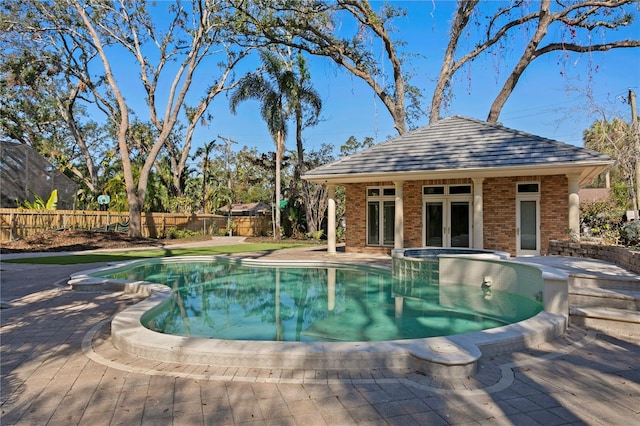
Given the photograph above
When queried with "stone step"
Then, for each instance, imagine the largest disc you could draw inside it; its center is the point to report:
(605, 298)
(612, 321)
(607, 282)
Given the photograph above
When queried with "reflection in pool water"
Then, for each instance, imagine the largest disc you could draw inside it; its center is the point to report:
(225, 300)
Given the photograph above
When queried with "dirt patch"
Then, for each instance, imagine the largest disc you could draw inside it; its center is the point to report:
(68, 240)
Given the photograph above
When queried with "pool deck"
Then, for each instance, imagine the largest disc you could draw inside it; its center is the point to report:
(59, 368)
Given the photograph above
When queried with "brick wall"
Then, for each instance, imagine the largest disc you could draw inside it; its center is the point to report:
(412, 192)
(499, 198)
(499, 202)
(554, 210)
(627, 258)
(355, 213)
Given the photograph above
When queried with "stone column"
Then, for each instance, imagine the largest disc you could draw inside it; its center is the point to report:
(398, 240)
(574, 207)
(331, 219)
(478, 214)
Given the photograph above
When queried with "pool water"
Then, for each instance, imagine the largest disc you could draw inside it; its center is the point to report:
(226, 300)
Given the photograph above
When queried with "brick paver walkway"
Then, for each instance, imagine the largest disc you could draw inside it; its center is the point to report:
(59, 368)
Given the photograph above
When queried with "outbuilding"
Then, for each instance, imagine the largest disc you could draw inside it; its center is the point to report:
(460, 182)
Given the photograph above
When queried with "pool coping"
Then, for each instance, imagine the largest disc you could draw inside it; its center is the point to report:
(442, 357)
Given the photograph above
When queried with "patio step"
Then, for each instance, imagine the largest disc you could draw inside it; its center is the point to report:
(610, 304)
(605, 298)
(612, 321)
(604, 282)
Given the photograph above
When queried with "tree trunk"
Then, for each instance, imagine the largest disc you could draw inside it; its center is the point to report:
(635, 131)
(463, 13)
(279, 154)
(135, 218)
(300, 170)
(276, 232)
(66, 109)
(316, 208)
(527, 57)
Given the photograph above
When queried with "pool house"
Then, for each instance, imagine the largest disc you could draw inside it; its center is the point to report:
(460, 182)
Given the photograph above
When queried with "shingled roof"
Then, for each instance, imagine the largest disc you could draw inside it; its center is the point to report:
(461, 146)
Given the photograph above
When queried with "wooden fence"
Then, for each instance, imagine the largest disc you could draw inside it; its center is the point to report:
(18, 223)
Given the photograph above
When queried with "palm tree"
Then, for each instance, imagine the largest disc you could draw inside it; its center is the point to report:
(307, 106)
(274, 88)
(204, 152)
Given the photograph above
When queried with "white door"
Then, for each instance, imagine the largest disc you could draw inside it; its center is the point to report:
(447, 223)
(527, 226)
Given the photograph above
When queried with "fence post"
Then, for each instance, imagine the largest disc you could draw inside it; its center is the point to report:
(11, 225)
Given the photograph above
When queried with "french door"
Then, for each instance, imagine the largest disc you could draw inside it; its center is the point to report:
(447, 223)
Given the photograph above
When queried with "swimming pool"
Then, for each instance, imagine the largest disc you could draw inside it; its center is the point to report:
(446, 357)
(225, 300)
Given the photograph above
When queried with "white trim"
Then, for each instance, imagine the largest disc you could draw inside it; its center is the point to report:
(586, 170)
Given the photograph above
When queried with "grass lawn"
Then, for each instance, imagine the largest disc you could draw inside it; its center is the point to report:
(117, 256)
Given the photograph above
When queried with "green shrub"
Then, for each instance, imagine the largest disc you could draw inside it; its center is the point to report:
(175, 233)
(602, 219)
(315, 235)
(630, 233)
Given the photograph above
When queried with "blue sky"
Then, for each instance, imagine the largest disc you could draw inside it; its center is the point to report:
(550, 99)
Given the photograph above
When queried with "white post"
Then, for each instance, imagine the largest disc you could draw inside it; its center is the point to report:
(331, 219)
(398, 235)
(574, 207)
(478, 214)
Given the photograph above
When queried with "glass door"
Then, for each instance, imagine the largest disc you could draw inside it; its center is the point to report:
(460, 217)
(434, 223)
(373, 223)
(388, 222)
(447, 223)
(447, 215)
(527, 227)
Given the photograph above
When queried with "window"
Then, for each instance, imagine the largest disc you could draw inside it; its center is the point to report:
(446, 189)
(381, 214)
(528, 188)
(460, 190)
(433, 190)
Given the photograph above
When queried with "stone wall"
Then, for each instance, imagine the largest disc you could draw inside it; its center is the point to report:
(625, 257)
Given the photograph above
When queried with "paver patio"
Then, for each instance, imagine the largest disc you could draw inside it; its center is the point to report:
(59, 368)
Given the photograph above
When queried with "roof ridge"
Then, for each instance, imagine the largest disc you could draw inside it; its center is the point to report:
(515, 131)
